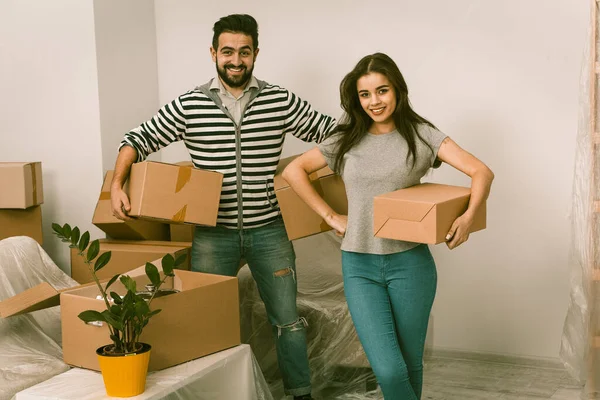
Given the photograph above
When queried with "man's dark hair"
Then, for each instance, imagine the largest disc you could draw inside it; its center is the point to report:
(236, 23)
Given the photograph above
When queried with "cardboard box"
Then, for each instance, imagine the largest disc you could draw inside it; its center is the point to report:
(202, 319)
(115, 228)
(422, 213)
(182, 233)
(127, 255)
(26, 222)
(21, 184)
(299, 219)
(174, 193)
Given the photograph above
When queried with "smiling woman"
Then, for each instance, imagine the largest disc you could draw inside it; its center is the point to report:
(382, 145)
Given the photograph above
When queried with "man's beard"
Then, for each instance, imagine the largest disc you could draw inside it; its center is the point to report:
(234, 81)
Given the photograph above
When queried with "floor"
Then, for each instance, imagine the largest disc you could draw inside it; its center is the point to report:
(463, 379)
(454, 379)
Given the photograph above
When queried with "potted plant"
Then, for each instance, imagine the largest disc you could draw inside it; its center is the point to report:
(124, 362)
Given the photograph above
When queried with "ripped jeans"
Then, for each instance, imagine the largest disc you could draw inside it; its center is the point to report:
(272, 262)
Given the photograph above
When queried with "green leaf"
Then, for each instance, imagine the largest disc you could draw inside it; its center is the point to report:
(180, 260)
(113, 320)
(93, 250)
(75, 236)
(102, 261)
(91, 316)
(57, 229)
(153, 313)
(153, 274)
(141, 309)
(116, 298)
(84, 241)
(168, 262)
(112, 280)
(116, 310)
(129, 283)
(67, 230)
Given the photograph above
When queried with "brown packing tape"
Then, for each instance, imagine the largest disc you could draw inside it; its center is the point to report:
(104, 196)
(34, 182)
(180, 215)
(183, 177)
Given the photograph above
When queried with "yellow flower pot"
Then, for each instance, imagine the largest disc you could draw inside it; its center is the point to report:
(124, 375)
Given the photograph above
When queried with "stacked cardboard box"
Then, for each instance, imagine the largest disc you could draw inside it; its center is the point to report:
(21, 196)
(126, 255)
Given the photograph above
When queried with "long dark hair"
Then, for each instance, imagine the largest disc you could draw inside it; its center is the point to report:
(355, 122)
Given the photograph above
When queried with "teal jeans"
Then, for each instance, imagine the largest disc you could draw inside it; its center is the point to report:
(390, 298)
(272, 262)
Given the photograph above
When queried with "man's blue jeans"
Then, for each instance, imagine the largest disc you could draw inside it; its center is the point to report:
(272, 262)
(390, 298)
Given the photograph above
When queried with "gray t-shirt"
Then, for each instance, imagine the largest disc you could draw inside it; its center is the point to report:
(377, 165)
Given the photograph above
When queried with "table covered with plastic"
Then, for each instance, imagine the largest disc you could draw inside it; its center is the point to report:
(229, 374)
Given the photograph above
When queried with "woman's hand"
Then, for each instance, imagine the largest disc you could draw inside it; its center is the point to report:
(338, 222)
(459, 231)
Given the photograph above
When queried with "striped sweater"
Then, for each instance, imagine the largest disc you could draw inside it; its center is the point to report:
(247, 155)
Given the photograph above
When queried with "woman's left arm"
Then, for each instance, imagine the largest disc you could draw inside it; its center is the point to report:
(481, 182)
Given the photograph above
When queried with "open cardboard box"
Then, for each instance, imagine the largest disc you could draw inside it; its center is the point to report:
(422, 213)
(201, 319)
(299, 219)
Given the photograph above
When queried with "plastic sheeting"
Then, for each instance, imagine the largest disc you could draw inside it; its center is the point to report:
(339, 367)
(229, 374)
(578, 352)
(30, 345)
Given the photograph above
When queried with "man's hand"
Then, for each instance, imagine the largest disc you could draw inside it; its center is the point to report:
(119, 203)
(459, 232)
(339, 223)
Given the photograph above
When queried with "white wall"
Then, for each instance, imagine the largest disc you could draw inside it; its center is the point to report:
(127, 69)
(49, 107)
(501, 78)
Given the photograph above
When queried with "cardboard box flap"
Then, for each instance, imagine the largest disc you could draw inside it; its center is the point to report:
(36, 298)
(33, 299)
(399, 210)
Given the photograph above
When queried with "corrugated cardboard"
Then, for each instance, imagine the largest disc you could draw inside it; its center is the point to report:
(26, 222)
(36, 298)
(202, 319)
(21, 184)
(423, 213)
(135, 229)
(127, 255)
(299, 219)
(174, 193)
(182, 233)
